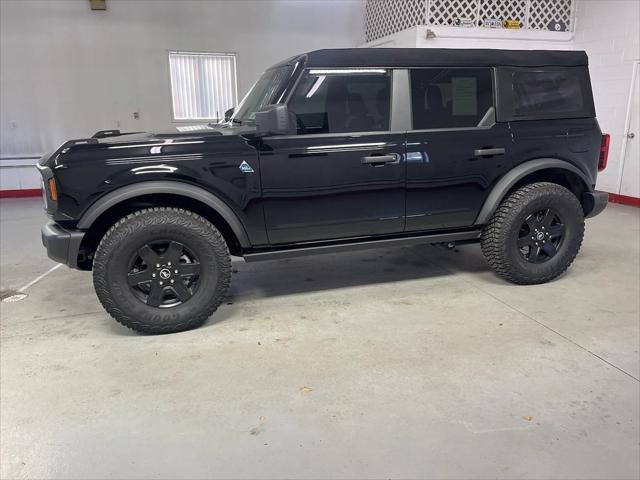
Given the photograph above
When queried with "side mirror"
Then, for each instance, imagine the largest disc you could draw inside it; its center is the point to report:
(275, 120)
(229, 113)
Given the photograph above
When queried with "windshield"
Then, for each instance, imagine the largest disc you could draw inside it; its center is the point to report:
(265, 91)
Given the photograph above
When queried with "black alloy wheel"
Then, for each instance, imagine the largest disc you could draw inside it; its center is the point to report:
(541, 236)
(534, 234)
(162, 270)
(163, 274)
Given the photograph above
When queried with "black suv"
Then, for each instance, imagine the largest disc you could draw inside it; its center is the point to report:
(336, 150)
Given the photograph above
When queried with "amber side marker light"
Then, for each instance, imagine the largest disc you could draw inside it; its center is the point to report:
(604, 152)
(53, 191)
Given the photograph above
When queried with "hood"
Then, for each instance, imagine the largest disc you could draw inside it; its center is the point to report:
(180, 132)
(139, 143)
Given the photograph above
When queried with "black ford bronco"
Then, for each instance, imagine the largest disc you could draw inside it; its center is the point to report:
(336, 150)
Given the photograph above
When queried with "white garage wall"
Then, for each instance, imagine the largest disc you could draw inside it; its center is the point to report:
(67, 71)
(606, 29)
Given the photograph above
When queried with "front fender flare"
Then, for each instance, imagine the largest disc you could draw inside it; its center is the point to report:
(514, 175)
(165, 187)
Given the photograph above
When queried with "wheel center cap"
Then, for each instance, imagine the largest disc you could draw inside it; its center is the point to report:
(540, 236)
(165, 273)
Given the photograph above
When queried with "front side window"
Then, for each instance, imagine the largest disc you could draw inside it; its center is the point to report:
(265, 91)
(450, 98)
(340, 101)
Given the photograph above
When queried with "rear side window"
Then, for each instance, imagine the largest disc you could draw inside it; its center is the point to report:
(544, 93)
(450, 98)
(340, 101)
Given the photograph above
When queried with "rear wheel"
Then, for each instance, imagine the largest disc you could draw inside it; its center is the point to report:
(161, 270)
(535, 234)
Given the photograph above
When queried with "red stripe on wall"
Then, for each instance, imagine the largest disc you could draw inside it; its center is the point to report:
(36, 192)
(27, 192)
(624, 199)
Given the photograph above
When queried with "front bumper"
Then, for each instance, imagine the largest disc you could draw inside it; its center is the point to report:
(594, 202)
(62, 245)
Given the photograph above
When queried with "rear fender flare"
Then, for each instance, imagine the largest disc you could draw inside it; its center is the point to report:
(516, 174)
(176, 188)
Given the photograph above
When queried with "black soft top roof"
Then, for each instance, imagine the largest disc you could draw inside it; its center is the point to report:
(440, 57)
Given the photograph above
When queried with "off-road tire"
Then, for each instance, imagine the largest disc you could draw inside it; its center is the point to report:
(110, 267)
(499, 237)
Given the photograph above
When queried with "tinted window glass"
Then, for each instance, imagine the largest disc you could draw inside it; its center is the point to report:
(265, 91)
(327, 101)
(539, 92)
(543, 93)
(450, 98)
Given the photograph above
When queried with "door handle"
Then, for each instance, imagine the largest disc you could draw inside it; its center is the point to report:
(488, 152)
(380, 160)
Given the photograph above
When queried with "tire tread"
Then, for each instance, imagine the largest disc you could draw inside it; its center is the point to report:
(493, 241)
(170, 215)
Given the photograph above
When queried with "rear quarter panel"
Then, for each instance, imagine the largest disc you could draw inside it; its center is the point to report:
(576, 141)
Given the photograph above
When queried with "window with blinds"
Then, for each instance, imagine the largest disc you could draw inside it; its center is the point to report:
(203, 85)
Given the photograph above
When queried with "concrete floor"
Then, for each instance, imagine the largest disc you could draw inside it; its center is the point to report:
(398, 363)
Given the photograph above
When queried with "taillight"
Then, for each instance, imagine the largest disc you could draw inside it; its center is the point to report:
(604, 152)
(53, 191)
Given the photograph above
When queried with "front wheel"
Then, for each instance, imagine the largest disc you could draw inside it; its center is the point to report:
(161, 270)
(535, 234)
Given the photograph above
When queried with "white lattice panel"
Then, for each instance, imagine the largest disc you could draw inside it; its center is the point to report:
(449, 12)
(502, 9)
(384, 17)
(543, 12)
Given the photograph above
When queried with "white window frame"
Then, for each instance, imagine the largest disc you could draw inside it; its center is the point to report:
(233, 55)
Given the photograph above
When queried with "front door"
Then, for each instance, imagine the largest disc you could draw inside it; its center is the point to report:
(342, 175)
(455, 151)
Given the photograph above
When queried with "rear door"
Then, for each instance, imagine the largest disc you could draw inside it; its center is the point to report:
(455, 150)
(342, 174)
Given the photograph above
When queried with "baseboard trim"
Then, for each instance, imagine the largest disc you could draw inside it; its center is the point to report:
(624, 199)
(23, 193)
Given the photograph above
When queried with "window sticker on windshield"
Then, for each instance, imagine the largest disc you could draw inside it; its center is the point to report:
(464, 95)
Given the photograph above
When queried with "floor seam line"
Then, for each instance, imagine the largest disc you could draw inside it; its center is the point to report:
(556, 332)
(542, 324)
(38, 278)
